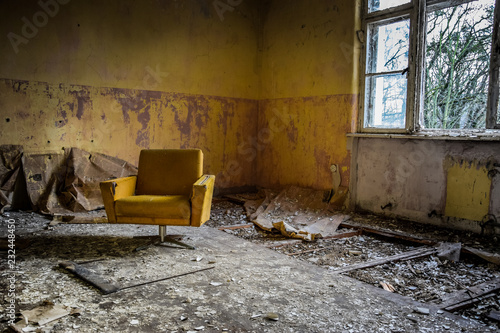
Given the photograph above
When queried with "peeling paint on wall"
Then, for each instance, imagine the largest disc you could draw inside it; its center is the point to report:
(313, 139)
(467, 188)
(120, 122)
(413, 176)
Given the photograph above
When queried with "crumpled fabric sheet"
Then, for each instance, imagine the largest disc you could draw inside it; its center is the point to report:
(10, 164)
(68, 181)
(295, 212)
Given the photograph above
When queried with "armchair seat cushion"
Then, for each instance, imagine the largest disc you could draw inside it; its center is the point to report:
(176, 207)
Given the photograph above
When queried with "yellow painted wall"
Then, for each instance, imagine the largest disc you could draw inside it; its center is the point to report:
(120, 122)
(119, 76)
(467, 189)
(120, 43)
(309, 138)
(310, 48)
(309, 70)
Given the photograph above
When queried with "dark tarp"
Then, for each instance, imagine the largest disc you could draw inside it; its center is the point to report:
(68, 181)
(9, 168)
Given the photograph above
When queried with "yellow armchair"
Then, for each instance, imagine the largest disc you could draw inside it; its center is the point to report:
(169, 189)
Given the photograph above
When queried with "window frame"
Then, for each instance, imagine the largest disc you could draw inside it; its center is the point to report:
(493, 109)
(416, 10)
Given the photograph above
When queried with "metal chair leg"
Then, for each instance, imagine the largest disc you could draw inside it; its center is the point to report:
(163, 232)
(164, 238)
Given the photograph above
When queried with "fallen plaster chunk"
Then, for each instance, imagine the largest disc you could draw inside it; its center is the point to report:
(216, 284)
(388, 287)
(38, 317)
(272, 316)
(449, 251)
(424, 311)
(45, 314)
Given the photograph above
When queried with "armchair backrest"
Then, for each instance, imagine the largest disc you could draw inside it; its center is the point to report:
(168, 171)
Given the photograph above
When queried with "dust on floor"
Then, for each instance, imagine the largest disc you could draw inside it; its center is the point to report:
(429, 280)
(250, 289)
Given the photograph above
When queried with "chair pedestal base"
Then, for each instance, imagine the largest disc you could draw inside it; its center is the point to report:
(164, 238)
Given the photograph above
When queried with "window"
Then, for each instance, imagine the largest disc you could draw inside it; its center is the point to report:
(431, 65)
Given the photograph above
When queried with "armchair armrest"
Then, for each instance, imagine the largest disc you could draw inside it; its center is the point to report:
(115, 189)
(201, 200)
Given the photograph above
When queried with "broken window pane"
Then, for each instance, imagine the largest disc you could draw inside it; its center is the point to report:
(385, 103)
(457, 58)
(374, 5)
(386, 83)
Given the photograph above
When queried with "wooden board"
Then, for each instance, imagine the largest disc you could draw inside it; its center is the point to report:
(465, 298)
(418, 253)
(89, 276)
(390, 234)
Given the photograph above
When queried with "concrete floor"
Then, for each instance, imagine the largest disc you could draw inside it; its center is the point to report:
(248, 281)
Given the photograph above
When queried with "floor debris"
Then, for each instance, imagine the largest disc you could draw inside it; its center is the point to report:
(307, 294)
(37, 318)
(295, 212)
(431, 278)
(90, 277)
(104, 286)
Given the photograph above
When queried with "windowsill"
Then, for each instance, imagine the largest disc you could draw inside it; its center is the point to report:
(483, 135)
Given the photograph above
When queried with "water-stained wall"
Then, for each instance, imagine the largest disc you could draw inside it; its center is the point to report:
(449, 183)
(309, 76)
(118, 76)
(120, 122)
(266, 88)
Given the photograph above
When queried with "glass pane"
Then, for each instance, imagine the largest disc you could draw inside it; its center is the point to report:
(385, 101)
(388, 46)
(374, 5)
(498, 113)
(498, 104)
(457, 65)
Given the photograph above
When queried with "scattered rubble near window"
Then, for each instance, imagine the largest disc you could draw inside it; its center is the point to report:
(431, 65)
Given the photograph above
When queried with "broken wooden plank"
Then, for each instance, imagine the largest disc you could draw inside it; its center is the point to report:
(491, 257)
(414, 254)
(468, 303)
(494, 315)
(89, 276)
(237, 226)
(344, 235)
(390, 234)
(469, 296)
(339, 236)
(104, 286)
(293, 242)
